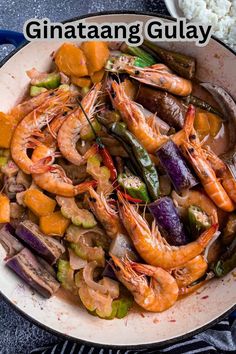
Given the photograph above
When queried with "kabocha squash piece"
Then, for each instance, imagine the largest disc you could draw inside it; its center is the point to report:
(215, 123)
(71, 60)
(96, 54)
(54, 224)
(7, 127)
(4, 209)
(81, 81)
(97, 76)
(39, 203)
(201, 124)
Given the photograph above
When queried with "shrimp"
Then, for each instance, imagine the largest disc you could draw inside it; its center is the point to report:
(147, 133)
(152, 247)
(104, 212)
(159, 76)
(55, 180)
(23, 109)
(222, 171)
(207, 176)
(69, 132)
(156, 295)
(29, 128)
(190, 271)
(197, 198)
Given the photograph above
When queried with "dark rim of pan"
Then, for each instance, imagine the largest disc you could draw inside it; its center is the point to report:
(82, 341)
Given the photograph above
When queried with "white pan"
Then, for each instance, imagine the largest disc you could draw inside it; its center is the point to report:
(216, 64)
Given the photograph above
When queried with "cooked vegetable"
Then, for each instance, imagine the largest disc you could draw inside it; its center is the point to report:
(175, 166)
(207, 123)
(166, 106)
(227, 262)
(48, 81)
(96, 54)
(54, 224)
(10, 169)
(87, 133)
(165, 185)
(11, 245)
(198, 102)
(169, 221)
(7, 125)
(147, 59)
(84, 82)
(38, 202)
(78, 216)
(76, 262)
(180, 63)
(88, 246)
(47, 247)
(35, 90)
(133, 186)
(33, 273)
(100, 173)
(97, 76)
(116, 64)
(142, 159)
(229, 230)
(4, 208)
(71, 60)
(198, 220)
(65, 275)
(3, 161)
(122, 246)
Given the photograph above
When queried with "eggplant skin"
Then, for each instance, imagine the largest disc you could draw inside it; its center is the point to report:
(176, 167)
(169, 221)
(166, 106)
(32, 272)
(45, 246)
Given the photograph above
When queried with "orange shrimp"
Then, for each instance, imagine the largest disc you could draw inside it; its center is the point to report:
(156, 295)
(55, 180)
(190, 271)
(104, 212)
(145, 130)
(223, 173)
(152, 247)
(30, 127)
(158, 75)
(69, 132)
(24, 108)
(207, 176)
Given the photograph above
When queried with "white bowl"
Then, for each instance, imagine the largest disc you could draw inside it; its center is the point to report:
(216, 64)
(173, 8)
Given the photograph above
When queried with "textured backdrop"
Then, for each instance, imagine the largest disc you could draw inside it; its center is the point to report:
(17, 335)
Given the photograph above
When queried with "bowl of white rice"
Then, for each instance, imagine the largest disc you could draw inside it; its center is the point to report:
(220, 14)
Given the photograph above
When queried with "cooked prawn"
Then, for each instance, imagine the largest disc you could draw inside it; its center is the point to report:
(156, 295)
(190, 271)
(30, 127)
(55, 180)
(197, 198)
(146, 131)
(207, 176)
(69, 132)
(223, 173)
(152, 247)
(23, 109)
(104, 212)
(161, 76)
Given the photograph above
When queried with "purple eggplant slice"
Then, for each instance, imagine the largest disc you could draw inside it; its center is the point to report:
(176, 167)
(8, 241)
(33, 273)
(169, 221)
(45, 246)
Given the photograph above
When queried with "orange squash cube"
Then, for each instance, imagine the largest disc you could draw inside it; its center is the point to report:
(4, 209)
(71, 60)
(54, 224)
(7, 127)
(39, 203)
(96, 54)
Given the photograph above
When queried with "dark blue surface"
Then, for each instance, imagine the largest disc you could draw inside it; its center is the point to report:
(17, 335)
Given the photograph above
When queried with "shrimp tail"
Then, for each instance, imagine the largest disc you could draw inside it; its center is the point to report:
(84, 187)
(42, 166)
(207, 235)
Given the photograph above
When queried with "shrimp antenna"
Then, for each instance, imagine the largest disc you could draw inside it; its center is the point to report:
(98, 140)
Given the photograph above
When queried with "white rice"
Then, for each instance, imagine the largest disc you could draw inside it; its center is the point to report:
(221, 14)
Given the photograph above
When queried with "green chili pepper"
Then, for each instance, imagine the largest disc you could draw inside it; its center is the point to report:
(138, 52)
(143, 161)
(196, 101)
(134, 186)
(198, 220)
(227, 261)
